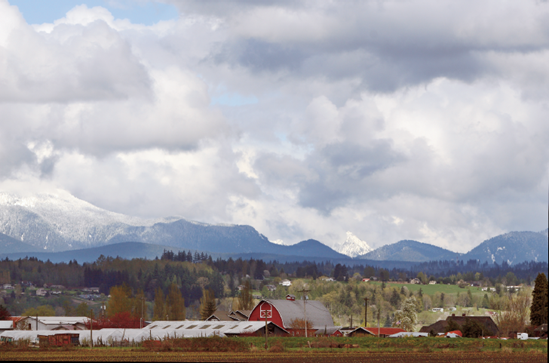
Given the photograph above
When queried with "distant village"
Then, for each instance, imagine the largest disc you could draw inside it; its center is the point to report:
(289, 316)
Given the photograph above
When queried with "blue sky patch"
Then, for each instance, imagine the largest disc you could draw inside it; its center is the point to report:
(146, 13)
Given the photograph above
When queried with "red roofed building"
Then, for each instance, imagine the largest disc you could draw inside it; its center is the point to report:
(283, 312)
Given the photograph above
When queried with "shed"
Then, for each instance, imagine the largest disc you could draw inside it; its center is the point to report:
(59, 339)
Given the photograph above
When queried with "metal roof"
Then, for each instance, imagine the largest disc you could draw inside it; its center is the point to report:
(6, 324)
(408, 334)
(207, 328)
(317, 313)
(59, 320)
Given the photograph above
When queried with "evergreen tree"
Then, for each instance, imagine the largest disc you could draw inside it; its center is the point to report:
(538, 310)
(159, 312)
(4, 313)
(470, 298)
(207, 304)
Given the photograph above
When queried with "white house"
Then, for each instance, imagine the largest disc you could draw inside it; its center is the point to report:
(432, 282)
(285, 282)
(438, 310)
(41, 292)
(53, 323)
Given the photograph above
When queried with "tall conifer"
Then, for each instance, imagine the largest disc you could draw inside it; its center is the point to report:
(538, 310)
(207, 304)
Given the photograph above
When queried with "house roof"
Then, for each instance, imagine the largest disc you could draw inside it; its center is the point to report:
(221, 316)
(59, 320)
(441, 325)
(317, 313)
(6, 324)
(329, 330)
(243, 313)
(384, 331)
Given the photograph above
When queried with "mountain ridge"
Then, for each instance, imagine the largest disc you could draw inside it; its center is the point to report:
(410, 250)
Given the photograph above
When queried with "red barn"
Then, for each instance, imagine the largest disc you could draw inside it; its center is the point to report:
(283, 312)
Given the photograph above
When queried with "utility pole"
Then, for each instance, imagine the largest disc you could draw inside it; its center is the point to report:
(266, 314)
(305, 308)
(378, 315)
(365, 312)
(91, 329)
(142, 313)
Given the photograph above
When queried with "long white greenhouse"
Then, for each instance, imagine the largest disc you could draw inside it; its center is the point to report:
(159, 330)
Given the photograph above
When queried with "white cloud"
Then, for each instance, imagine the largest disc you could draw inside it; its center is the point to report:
(384, 119)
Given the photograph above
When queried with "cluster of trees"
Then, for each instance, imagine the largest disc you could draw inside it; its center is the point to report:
(172, 307)
(198, 280)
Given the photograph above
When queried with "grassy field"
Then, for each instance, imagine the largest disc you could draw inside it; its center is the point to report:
(300, 350)
(432, 289)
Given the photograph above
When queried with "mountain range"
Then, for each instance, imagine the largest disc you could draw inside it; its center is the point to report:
(57, 225)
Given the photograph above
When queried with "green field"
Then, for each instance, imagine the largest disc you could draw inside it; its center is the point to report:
(289, 349)
(432, 289)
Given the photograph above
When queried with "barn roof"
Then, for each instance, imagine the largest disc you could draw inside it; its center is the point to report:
(317, 313)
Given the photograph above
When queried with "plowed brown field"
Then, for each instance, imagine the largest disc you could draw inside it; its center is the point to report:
(312, 357)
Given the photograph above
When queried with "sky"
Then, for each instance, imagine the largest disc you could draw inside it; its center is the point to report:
(422, 120)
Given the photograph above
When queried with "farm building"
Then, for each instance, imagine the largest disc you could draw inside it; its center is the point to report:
(237, 315)
(332, 331)
(6, 325)
(193, 328)
(284, 312)
(58, 339)
(52, 322)
(157, 330)
(440, 326)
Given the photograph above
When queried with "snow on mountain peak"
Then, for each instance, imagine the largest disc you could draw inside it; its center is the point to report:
(281, 242)
(353, 246)
(56, 219)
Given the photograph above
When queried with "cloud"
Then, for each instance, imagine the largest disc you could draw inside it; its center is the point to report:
(305, 119)
(72, 63)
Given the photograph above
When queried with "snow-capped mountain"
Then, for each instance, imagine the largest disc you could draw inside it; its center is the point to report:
(60, 222)
(353, 246)
(408, 250)
(512, 248)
